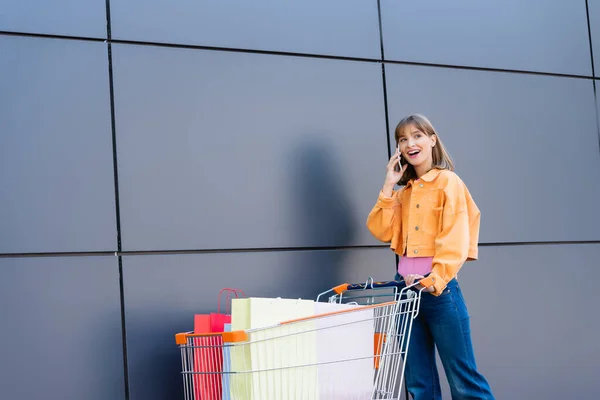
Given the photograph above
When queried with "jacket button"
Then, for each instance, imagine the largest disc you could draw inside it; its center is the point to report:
(416, 251)
(420, 185)
(418, 205)
(416, 228)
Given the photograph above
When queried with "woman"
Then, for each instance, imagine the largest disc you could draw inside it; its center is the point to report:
(432, 222)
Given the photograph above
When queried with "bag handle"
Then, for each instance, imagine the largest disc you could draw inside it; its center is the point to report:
(230, 292)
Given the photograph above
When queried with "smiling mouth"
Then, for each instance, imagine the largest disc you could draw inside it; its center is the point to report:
(413, 153)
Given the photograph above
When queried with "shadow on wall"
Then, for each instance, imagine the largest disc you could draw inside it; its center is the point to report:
(322, 214)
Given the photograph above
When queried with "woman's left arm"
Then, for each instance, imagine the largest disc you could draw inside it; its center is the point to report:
(452, 242)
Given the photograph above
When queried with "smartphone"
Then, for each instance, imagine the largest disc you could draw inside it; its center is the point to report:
(401, 160)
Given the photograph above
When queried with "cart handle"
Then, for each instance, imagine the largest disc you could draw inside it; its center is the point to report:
(345, 287)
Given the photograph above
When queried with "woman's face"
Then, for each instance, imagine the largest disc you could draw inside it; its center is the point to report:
(416, 147)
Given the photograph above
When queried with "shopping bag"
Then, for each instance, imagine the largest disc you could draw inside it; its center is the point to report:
(208, 363)
(282, 357)
(202, 323)
(206, 355)
(208, 351)
(226, 366)
(378, 340)
(218, 319)
(345, 350)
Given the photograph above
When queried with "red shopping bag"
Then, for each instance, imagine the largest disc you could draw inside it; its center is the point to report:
(208, 351)
(208, 366)
(202, 323)
(218, 320)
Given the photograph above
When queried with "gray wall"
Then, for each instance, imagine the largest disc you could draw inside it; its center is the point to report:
(182, 148)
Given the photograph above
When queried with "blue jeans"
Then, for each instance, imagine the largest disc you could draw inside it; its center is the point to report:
(443, 322)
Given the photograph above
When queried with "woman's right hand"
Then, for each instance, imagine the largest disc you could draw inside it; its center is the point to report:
(392, 176)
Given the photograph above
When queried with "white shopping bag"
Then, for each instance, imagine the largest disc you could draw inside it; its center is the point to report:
(345, 351)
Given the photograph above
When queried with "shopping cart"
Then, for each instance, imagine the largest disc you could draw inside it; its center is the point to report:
(356, 349)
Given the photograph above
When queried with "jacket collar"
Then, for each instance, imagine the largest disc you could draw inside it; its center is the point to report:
(428, 177)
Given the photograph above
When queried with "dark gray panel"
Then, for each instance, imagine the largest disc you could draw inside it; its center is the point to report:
(531, 35)
(225, 150)
(85, 18)
(163, 292)
(594, 11)
(56, 169)
(522, 143)
(535, 320)
(61, 335)
(336, 27)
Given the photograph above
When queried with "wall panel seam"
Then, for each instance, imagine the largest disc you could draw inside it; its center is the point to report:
(589, 26)
(292, 54)
(117, 204)
(269, 249)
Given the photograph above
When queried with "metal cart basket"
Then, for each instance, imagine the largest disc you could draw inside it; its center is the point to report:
(356, 350)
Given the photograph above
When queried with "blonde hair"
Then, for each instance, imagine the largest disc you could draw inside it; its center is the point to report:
(441, 158)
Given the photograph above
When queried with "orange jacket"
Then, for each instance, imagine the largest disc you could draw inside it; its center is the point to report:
(434, 216)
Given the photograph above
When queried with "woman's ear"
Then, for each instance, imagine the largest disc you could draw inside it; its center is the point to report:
(433, 140)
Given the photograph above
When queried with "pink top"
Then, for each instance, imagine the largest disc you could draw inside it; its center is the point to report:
(415, 265)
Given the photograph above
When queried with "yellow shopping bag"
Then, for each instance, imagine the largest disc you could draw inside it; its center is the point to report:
(278, 362)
